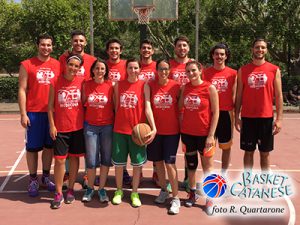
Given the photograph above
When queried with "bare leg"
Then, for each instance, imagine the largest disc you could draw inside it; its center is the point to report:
(32, 162)
(265, 161)
(248, 160)
(91, 174)
(207, 164)
(103, 176)
(161, 173)
(119, 176)
(225, 159)
(47, 156)
(59, 171)
(173, 178)
(136, 178)
(74, 166)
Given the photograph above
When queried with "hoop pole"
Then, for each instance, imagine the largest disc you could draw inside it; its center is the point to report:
(143, 32)
(91, 27)
(197, 31)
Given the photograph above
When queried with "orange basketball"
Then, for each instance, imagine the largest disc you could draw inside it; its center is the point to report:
(139, 132)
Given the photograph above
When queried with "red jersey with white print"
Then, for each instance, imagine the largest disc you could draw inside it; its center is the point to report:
(68, 108)
(258, 90)
(131, 107)
(197, 109)
(164, 103)
(99, 103)
(117, 71)
(40, 75)
(223, 80)
(84, 70)
(148, 72)
(177, 72)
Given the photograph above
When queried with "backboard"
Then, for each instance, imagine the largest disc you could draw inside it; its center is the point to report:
(122, 10)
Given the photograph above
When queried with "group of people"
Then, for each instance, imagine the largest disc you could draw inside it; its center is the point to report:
(84, 106)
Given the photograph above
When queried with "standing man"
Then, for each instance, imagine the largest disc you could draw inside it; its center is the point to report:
(224, 79)
(35, 76)
(258, 82)
(148, 66)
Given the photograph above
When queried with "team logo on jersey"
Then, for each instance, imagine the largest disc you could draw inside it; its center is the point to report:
(128, 100)
(221, 84)
(162, 101)
(192, 102)
(80, 72)
(145, 76)
(114, 75)
(68, 98)
(97, 100)
(181, 77)
(44, 76)
(257, 80)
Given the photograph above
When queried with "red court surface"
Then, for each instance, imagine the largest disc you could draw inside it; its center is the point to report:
(17, 208)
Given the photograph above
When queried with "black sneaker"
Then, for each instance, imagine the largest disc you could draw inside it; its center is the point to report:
(193, 198)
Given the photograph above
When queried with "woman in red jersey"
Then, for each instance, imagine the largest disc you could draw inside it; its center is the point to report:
(200, 117)
(132, 104)
(66, 126)
(99, 116)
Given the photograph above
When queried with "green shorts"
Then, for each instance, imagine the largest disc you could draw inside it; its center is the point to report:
(122, 146)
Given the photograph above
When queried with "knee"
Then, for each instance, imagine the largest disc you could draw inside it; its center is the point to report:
(192, 160)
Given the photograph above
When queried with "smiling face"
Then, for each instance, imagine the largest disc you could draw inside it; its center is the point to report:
(133, 70)
(193, 72)
(114, 51)
(219, 56)
(259, 50)
(181, 49)
(163, 70)
(78, 44)
(72, 67)
(45, 48)
(99, 71)
(146, 51)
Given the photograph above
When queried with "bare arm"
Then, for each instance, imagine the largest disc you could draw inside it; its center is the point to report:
(238, 102)
(278, 102)
(116, 93)
(83, 96)
(53, 131)
(23, 80)
(149, 114)
(180, 101)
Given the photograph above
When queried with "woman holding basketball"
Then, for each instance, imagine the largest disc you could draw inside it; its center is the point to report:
(99, 115)
(201, 113)
(132, 106)
(163, 149)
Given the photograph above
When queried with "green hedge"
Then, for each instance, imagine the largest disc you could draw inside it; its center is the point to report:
(8, 89)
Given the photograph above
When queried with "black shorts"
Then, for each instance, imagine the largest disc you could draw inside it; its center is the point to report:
(194, 143)
(257, 131)
(224, 130)
(69, 144)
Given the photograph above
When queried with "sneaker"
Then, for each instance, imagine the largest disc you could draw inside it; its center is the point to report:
(117, 199)
(97, 181)
(126, 178)
(185, 185)
(33, 187)
(193, 198)
(103, 196)
(162, 197)
(155, 178)
(66, 181)
(175, 206)
(48, 183)
(70, 196)
(84, 183)
(58, 200)
(88, 195)
(135, 199)
(209, 207)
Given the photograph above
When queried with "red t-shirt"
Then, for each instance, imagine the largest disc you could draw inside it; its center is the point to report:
(85, 69)
(99, 103)
(223, 80)
(68, 115)
(197, 109)
(40, 75)
(131, 108)
(258, 91)
(164, 102)
(177, 72)
(148, 71)
(117, 72)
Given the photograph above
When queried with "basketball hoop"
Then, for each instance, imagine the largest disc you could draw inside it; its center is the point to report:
(143, 13)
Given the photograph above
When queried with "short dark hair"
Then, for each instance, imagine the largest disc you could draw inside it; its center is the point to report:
(257, 39)
(220, 46)
(44, 36)
(200, 67)
(94, 65)
(146, 41)
(75, 56)
(182, 38)
(77, 32)
(160, 61)
(113, 40)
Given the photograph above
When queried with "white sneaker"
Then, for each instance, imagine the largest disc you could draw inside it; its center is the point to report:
(175, 206)
(162, 197)
(209, 207)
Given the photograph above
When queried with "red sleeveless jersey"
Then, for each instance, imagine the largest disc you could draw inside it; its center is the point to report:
(99, 103)
(84, 70)
(148, 72)
(197, 110)
(68, 108)
(258, 91)
(40, 75)
(164, 102)
(177, 72)
(117, 72)
(131, 108)
(223, 80)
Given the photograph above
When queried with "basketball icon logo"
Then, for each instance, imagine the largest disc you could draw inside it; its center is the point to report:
(214, 186)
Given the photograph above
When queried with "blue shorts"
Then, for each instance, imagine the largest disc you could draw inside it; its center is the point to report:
(37, 134)
(98, 143)
(163, 148)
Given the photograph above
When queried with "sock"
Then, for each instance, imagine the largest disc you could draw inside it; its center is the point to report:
(46, 173)
(33, 176)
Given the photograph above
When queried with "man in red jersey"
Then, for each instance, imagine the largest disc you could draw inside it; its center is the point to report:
(257, 83)
(116, 65)
(224, 79)
(148, 66)
(35, 75)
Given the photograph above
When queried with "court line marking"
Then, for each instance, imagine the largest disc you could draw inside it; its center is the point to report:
(12, 170)
(21, 177)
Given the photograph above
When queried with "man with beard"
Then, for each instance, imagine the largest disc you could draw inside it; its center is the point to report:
(257, 83)
(148, 66)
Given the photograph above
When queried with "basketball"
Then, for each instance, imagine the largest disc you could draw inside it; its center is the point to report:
(139, 132)
(214, 186)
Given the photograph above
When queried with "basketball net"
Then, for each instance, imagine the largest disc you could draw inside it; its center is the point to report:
(143, 13)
